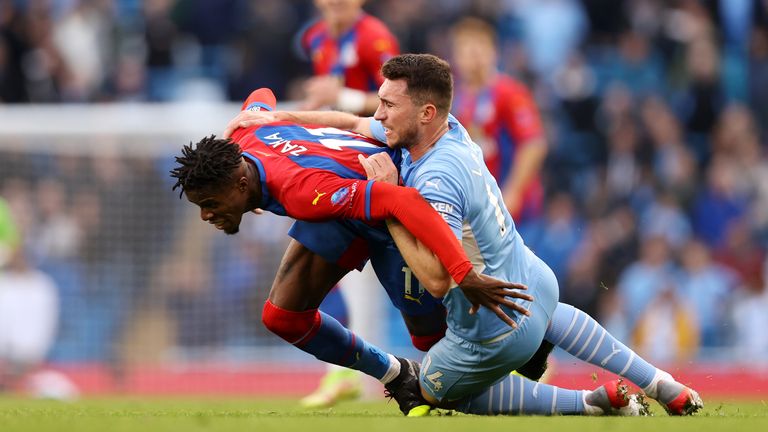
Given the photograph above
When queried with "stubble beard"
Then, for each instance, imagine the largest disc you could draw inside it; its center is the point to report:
(409, 137)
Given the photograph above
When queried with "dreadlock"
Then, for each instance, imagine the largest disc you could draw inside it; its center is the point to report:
(209, 165)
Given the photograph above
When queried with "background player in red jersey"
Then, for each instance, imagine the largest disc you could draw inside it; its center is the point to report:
(500, 115)
(347, 48)
(313, 174)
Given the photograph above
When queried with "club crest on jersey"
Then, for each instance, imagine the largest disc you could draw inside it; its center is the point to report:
(258, 106)
(340, 197)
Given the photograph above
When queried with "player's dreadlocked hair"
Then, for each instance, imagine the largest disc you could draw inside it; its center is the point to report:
(208, 165)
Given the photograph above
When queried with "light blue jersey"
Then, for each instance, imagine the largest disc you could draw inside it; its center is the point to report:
(472, 362)
(454, 179)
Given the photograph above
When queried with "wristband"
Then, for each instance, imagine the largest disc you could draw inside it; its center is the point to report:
(351, 100)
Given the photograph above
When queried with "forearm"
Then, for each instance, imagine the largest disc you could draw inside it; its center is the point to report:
(371, 103)
(424, 264)
(527, 166)
(357, 101)
(335, 119)
(420, 219)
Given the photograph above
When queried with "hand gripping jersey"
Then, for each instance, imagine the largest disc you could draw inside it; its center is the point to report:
(455, 181)
(356, 56)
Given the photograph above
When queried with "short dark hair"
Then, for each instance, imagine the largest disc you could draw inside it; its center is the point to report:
(207, 165)
(428, 77)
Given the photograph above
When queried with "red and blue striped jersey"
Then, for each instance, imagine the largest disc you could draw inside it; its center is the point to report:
(306, 169)
(312, 173)
(356, 55)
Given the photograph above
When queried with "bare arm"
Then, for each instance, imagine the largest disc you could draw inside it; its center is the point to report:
(424, 264)
(326, 90)
(427, 267)
(336, 119)
(526, 167)
(479, 289)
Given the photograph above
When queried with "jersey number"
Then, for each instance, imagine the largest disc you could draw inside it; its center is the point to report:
(496, 210)
(338, 143)
(408, 294)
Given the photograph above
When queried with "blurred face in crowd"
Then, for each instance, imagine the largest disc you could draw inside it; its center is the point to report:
(474, 56)
(339, 13)
(224, 206)
(398, 114)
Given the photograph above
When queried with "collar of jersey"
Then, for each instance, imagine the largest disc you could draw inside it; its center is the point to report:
(267, 202)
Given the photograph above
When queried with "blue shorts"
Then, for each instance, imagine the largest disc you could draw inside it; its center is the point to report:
(350, 243)
(455, 368)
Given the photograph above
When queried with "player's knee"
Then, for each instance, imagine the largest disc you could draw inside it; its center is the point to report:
(424, 343)
(294, 327)
(426, 329)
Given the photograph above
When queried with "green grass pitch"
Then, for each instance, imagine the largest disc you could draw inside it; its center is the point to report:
(166, 414)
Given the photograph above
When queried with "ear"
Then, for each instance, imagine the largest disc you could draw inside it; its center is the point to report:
(242, 184)
(428, 113)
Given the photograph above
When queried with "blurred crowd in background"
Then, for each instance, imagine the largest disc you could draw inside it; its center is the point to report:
(656, 211)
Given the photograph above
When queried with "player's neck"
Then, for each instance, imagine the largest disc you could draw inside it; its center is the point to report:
(428, 139)
(342, 25)
(478, 81)
(254, 182)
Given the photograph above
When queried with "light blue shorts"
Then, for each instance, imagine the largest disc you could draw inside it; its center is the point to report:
(455, 368)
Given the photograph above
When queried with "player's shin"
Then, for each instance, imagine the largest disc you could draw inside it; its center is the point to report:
(516, 395)
(322, 336)
(580, 335)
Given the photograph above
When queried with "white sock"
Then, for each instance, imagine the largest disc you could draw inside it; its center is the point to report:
(393, 371)
(652, 389)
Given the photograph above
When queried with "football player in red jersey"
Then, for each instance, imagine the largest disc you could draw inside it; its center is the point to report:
(347, 48)
(314, 174)
(501, 116)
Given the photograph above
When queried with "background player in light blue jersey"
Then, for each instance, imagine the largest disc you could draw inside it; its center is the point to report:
(468, 369)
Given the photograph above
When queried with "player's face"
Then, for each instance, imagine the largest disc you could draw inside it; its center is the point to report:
(339, 11)
(223, 208)
(474, 56)
(398, 114)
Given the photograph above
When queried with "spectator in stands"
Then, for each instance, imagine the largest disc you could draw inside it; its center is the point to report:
(722, 199)
(28, 313)
(548, 49)
(160, 35)
(703, 99)
(750, 321)
(673, 165)
(347, 48)
(668, 310)
(501, 116)
(644, 280)
(557, 235)
(665, 218)
(706, 287)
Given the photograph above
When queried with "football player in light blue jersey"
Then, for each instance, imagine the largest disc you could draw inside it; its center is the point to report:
(469, 368)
